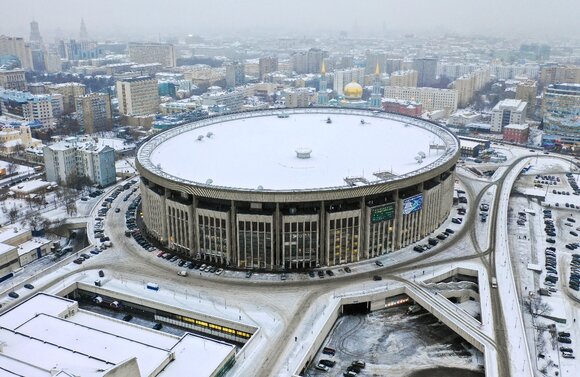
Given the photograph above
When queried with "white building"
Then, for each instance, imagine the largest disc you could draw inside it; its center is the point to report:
(508, 111)
(145, 53)
(71, 158)
(430, 98)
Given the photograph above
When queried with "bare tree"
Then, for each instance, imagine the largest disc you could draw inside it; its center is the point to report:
(13, 214)
(536, 307)
(11, 168)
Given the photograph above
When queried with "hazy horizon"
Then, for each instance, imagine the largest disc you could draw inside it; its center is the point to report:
(147, 19)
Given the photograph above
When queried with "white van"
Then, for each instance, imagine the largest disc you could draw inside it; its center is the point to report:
(182, 273)
(153, 286)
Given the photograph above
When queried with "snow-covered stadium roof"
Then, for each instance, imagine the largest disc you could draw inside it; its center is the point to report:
(258, 151)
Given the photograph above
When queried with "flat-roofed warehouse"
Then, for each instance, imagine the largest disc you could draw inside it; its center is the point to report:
(296, 188)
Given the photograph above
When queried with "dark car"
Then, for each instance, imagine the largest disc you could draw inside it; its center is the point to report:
(564, 340)
(101, 273)
(320, 273)
(13, 294)
(328, 363)
(449, 231)
(128, 317)
(379, 263)
(550, 240)
(28, 286)
(157, 326)
(347, 269)
(329, 273)
(311, 274)
(377, 278)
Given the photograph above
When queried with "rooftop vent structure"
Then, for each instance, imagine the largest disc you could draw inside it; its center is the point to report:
(303, 153)
(200, 138)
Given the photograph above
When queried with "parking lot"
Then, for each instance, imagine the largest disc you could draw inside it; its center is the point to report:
(392, 343)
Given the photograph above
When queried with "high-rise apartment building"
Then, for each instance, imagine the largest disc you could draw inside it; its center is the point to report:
(72, 158)
(372, 59)
(427, 71)
(527, 91)
(16, 46)
(94, 112)
(235, 75)
(299, 97)
(561, 114)
(308, 61)
(508, 111)
(138, 96)
(404, 78)
(267, 65)
(26, 106)
(556, 74)
(13, 79)
(430, 98)
(144, 53)
(69, 92)
(468, 85)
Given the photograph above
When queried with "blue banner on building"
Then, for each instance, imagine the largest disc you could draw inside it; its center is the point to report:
(412, 204)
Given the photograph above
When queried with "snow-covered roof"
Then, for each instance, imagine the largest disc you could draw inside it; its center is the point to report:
(5, 248)
(8, 233)
(33, 244)
(214, 353)
(469, 144)
(251, 151)
(28, 187)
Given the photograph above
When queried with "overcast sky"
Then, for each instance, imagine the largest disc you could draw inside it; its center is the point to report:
(533, 19)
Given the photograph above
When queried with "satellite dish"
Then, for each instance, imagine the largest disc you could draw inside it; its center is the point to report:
(260, 187)
(209, 181)
(422, 154)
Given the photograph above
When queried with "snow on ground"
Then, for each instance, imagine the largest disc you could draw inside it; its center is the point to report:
(126, 166)
(119, 145)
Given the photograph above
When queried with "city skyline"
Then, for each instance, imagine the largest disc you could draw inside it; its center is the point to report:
(149, 21)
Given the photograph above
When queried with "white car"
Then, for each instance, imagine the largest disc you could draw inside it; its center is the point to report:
(219, 271)
(322, 367)
(182, 273)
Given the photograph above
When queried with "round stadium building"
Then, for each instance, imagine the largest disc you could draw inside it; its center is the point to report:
(296, 188)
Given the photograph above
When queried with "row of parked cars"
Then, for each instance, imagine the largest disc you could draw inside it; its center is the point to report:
(325, 365)
(567, 352)
(573, 183)
(574, 281)
(93, 194)
(190, 264)
(83, 257)
(552, 272)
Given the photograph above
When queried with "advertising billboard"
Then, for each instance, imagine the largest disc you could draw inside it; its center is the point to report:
(382, 213)
(412, 204)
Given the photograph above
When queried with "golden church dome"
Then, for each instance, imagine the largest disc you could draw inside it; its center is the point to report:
(353, 90)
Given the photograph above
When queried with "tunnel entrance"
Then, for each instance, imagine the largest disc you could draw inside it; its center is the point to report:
(358, 308)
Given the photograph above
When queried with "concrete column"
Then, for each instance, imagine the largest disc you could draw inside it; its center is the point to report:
(363, 230)
(398, 221)
(233, 252)
(164, 232)
(323, 247)
(277, 259)
(193, 228)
